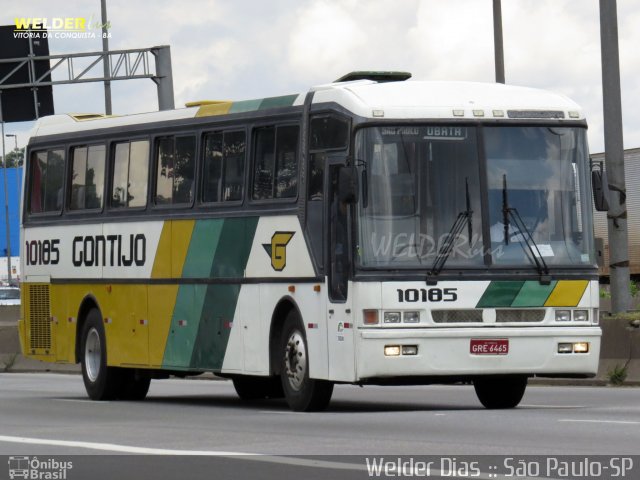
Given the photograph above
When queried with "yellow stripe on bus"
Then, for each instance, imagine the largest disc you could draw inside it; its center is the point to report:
(567, 293)
(212, 108)
(162, 301)
(181, 231)
(162, 262)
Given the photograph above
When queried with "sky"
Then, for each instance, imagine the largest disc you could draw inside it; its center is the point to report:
(242, 49)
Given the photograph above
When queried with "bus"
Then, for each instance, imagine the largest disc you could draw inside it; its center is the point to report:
(376, 230)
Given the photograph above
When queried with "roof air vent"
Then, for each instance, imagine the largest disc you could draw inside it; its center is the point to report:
(380, 77)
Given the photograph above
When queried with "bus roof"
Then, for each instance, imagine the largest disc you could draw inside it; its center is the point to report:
(365, 98)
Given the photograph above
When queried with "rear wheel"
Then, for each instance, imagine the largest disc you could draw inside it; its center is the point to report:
(258, 388)
(302, 393)
(100, 381)
(501, 391)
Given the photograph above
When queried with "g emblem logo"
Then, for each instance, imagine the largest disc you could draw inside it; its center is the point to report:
(277, 250)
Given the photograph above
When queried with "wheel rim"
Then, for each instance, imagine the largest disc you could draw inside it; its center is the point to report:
(295, 360)
(93, 355)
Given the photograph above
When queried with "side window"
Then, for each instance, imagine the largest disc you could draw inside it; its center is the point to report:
(87, 177)
(223, 171)
(287, 162)
(316, 176)
(130, 174)
(46, 181)
(328, 132)
(264, 163)
(275, 172)
(175, 167)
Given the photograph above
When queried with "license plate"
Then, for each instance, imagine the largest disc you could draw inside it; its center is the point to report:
(484, 346)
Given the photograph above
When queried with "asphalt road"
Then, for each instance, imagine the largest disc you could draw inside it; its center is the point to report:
(49, 414)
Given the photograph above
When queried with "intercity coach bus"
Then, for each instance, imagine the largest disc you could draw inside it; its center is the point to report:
(375, 230)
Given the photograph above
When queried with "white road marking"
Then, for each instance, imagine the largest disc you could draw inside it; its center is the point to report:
(621, 422)
(300, 462)
(112, 447)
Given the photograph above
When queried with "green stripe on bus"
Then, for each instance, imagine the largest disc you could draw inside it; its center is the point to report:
(245, 106)
(203, 246)
(274, 102)
(184, 326)
(500, 294)
(533, 294)
(231, 257)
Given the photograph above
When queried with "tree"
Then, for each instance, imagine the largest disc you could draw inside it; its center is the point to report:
(15, 158)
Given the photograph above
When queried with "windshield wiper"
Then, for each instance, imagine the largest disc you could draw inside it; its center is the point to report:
(447, 247)
(524, 232)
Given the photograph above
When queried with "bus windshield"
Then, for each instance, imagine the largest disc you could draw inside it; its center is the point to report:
(423, 189)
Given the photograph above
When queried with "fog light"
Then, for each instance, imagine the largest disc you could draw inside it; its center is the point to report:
(563, 315)
(565, 348)
(581, 347)
(391, 317)
(409, 350)
(370, 317)
(392, 350)
(580, 316)
(411, 317)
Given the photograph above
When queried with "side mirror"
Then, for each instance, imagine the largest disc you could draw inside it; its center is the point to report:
(600, 186)
(348, 185)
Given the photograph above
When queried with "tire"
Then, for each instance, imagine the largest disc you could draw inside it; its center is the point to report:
(135, 384)
(258, 388)
(303, 394)
(500, 392)
(100, 381)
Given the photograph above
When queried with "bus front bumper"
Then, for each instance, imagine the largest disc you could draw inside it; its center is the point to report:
(455, 352)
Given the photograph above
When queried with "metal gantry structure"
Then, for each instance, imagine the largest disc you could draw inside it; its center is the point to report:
(120, 65)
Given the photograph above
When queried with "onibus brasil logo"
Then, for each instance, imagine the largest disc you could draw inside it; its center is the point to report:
(277, 249)
(36, 469)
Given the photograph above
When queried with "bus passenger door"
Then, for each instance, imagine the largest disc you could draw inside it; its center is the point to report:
(340, 319)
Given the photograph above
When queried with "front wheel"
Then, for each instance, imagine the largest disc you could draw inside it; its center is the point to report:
(500, 392)
(303, 394)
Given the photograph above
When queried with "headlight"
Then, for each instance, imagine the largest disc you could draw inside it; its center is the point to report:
(411, 317)
(581, 347)
(392, 350)
(391, 317)
(580, 315)
(563, 315)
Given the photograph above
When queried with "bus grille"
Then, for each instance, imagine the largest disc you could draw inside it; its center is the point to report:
(457, 316)
(520, 316)
(39, 322)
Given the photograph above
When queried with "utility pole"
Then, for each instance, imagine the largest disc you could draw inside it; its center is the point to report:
(105, 61)
(614, 158)
(497, 41)
(6, 196)
(164, 77)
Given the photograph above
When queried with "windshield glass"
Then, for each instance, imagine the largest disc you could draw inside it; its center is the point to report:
(540, 172)
(421, 197)
(416, 182)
